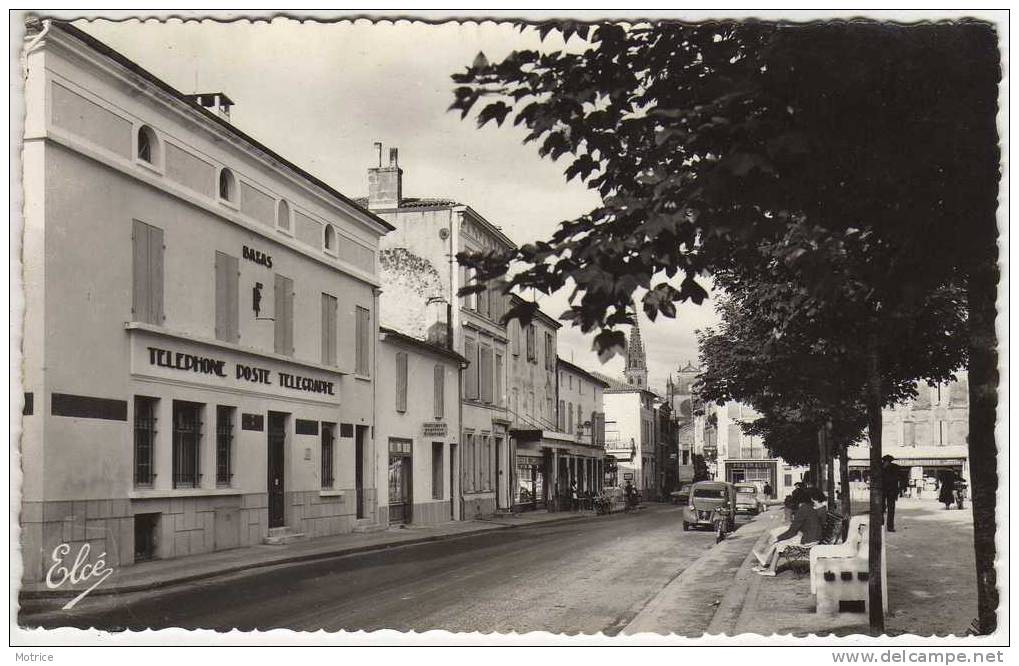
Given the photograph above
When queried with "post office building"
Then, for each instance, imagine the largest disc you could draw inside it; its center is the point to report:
(199, 353)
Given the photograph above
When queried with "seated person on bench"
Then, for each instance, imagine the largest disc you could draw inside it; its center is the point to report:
(806, 529)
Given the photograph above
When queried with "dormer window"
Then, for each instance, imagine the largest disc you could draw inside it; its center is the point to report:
(329, 238)
(283, 215)
(227, 186)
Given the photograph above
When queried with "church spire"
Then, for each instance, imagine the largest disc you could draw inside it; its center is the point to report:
(636, 360)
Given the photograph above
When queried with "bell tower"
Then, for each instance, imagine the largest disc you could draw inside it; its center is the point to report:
(635, 370)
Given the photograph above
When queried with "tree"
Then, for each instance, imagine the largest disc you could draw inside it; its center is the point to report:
(706, 141)
(800, 362)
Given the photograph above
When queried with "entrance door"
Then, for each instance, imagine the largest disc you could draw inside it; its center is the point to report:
(454, 484)
(401, 502)
(277, 442)
(501, 487)
(359, 440)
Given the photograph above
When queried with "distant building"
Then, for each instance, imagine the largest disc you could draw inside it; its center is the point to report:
(736, 456)
(630, 421)
(417, 419)
(420, 284)
(925, 435)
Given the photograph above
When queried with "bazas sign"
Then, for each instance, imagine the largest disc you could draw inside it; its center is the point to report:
(256, 256)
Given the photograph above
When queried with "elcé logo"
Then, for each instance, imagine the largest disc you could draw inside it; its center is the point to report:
(256, 256)
(81, 571)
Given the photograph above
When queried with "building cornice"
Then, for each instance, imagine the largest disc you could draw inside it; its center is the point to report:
(97, 54)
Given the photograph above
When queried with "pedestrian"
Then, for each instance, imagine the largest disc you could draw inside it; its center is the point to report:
(793, 501)
(767, 490)
(806, 529)
(946, 481)
(574, 498)
(631, 495)
(889, 488)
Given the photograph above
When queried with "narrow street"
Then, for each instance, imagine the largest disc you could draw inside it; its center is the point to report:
(578, 577)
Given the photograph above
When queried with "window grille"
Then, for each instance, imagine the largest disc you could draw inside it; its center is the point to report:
(187, 436)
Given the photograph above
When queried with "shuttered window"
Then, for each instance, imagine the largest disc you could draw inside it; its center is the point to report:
(227, 306)
(147, 296)
(471, 375)
(401, 381)
(328, 329)
(363, 341)
(484, 302)
(485, 362)
(569, 417)
(531, 352)
(284, 314)
(561, 420)
(440, 391)
(549, 353)
(517, 333)
(499, 394)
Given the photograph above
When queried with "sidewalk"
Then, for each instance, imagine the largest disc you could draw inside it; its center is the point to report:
(163, 573)
(688, 603)
(931, 583)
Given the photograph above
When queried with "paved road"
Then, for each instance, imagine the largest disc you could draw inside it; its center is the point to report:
(584, 576)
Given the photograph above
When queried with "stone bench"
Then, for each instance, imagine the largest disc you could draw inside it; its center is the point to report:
(839, 574)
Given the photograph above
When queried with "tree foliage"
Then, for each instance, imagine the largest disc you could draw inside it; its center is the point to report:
(749, 146)
(705, 138)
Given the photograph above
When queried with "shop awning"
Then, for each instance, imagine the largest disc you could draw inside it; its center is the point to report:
(915, 462)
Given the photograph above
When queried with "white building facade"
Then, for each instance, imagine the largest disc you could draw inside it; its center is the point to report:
(420, 298)
(198, 326)
(418, 423)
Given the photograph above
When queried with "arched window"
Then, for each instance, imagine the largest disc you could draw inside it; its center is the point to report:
(283, 215)
(329, 238)
(227, 186)
(148, 145)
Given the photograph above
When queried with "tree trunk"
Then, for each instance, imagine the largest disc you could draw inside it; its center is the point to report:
(820, 478)
(847, 501)
(875, 597)
(983, 462)
(829, 465)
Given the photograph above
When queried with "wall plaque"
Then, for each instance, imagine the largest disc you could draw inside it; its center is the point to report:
(252, 422)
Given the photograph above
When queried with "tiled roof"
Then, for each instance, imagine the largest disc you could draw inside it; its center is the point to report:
(416, 202)
(581, 371)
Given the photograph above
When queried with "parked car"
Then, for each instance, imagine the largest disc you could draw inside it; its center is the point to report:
(681, 496)
(748, 498)
(705, 498)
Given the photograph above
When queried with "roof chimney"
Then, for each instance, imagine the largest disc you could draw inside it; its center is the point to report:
(217, 102)
(385, 184)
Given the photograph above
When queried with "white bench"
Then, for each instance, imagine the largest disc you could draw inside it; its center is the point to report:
(839, 574)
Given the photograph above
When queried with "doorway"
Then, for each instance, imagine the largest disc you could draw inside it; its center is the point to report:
(501, 487)
(359, 441)
(276, 477)
(454, 484)
(401, 477)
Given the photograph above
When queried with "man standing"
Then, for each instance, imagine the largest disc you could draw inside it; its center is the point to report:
(889, 488)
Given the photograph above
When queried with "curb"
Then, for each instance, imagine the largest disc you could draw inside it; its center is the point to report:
(730, 609)
(647, 619)
(292, 559)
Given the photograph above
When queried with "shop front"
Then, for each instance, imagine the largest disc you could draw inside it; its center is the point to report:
(550, 466)
(750, 471)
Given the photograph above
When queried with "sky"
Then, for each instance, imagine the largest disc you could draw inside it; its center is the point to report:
(320, 94)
